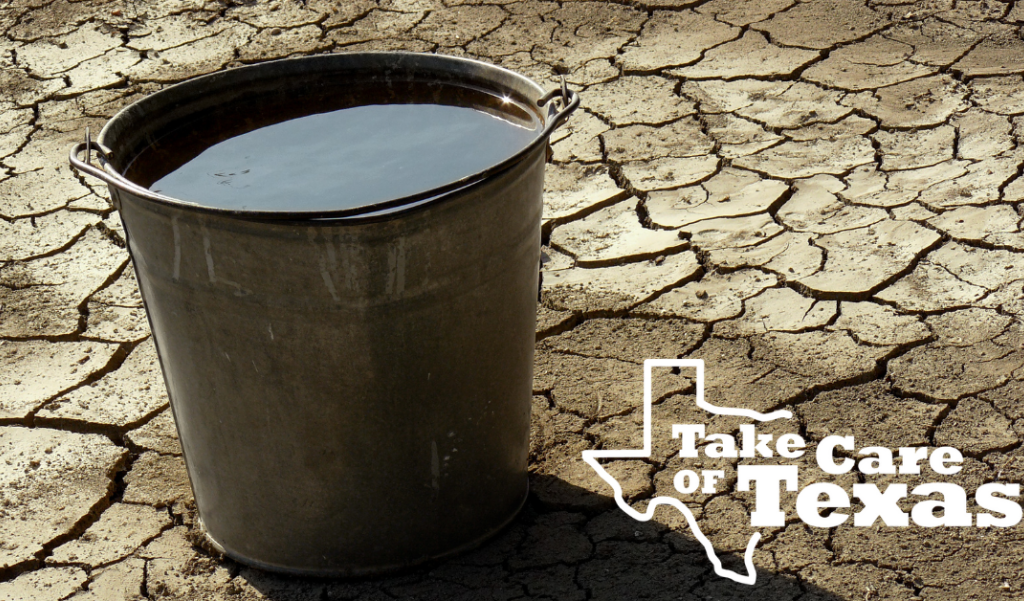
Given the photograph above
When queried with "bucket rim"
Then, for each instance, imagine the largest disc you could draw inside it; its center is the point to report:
(560, 104)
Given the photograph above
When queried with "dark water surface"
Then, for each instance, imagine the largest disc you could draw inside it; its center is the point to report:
(370, 151)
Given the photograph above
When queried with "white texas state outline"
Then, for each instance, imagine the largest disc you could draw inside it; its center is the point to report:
(591, 458)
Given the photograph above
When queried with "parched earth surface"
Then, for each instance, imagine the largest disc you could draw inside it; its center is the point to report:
(821, 199)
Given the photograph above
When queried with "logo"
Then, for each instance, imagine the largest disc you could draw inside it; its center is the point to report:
(834, 455)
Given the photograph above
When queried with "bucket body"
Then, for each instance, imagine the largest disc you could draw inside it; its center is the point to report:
(352, 395)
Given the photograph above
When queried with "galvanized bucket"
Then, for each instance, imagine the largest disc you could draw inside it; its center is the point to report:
(351, 388)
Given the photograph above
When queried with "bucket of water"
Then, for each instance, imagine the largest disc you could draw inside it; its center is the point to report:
(338, 256)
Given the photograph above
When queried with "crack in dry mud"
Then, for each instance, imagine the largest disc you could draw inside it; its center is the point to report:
(593, 42)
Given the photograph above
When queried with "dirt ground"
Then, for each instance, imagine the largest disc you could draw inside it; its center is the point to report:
(821, 199)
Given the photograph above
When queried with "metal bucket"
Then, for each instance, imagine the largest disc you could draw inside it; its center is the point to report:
(351, 388)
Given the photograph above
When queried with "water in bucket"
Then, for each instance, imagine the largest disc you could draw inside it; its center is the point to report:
(369, 145)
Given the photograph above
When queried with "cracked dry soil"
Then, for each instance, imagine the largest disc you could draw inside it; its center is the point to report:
(822, 199)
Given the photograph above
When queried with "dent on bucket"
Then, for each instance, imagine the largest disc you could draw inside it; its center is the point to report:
(339, 256)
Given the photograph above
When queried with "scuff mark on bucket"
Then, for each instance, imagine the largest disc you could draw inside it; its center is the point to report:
(177, 248)
(396, 268)
(324, 272)
(435, 468)
(209, 255)
(348, 255)
(329, 281)
(332, 258)
(239, 291)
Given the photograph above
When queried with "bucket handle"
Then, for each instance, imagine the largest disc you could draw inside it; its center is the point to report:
(103, 154)
(570, 102)
(105, 171)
